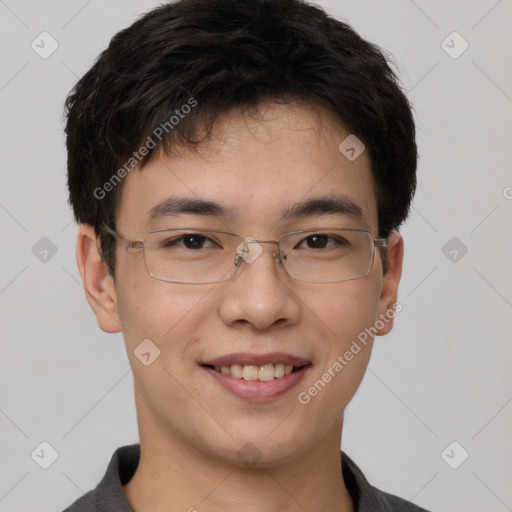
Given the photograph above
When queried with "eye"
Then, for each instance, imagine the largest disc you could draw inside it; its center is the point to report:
(189, 241)
(321, 241)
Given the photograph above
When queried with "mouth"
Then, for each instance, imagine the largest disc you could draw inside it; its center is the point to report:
(263, 373)
(257, 377)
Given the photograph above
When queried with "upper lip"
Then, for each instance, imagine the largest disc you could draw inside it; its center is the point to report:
(245, 358)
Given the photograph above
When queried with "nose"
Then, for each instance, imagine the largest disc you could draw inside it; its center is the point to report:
(261, 293)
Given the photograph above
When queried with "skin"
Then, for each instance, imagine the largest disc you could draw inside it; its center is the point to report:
(191, 429)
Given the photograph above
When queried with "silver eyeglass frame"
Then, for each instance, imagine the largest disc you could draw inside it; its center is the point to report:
(135, 245)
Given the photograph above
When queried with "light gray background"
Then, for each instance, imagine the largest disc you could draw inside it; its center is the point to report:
(442, 375)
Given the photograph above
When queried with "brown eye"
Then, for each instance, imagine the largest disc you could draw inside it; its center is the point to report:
(191, 241)
(321, 241)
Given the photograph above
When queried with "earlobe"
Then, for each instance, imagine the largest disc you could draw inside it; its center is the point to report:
(98, 283)
(389, 294)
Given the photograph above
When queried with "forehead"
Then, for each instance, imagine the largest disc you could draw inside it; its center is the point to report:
(259, 168)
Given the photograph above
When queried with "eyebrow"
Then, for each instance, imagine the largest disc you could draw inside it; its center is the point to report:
(340, 205)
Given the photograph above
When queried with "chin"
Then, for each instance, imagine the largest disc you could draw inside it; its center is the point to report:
(256, 451)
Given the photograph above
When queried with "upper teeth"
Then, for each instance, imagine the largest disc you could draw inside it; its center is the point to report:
(250, 372)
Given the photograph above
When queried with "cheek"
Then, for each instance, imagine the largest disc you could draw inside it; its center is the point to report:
(346, 315)
(162, 313)
(342, 310)
(155, 310)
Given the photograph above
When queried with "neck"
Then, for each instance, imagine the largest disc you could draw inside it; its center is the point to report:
(174, 476)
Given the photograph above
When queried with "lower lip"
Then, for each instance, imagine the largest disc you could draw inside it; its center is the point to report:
(256, 390)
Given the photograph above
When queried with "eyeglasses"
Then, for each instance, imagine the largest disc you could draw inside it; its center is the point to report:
(204, 256)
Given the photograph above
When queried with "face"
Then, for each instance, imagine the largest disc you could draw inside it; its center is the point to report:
(255, 167)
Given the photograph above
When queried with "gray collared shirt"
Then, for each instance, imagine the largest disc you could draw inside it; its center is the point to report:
(108, 496)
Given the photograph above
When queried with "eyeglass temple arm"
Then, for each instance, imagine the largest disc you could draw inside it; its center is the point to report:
(128, 244)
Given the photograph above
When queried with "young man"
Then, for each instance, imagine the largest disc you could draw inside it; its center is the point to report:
(239, 169)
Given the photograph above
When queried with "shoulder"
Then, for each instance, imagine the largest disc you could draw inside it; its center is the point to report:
(83, 504)
(396, 504)
(108, 494)
(368, 498)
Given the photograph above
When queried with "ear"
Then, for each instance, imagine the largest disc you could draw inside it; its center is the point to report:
(98, 283)
(389, 294)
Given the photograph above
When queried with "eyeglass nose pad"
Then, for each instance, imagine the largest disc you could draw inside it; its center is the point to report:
(280, 258)
(248, 250)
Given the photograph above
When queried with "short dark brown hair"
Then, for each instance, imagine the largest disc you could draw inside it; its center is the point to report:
(216, 55)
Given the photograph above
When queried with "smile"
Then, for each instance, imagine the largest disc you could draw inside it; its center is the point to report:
(262, 373)
(257, 377)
